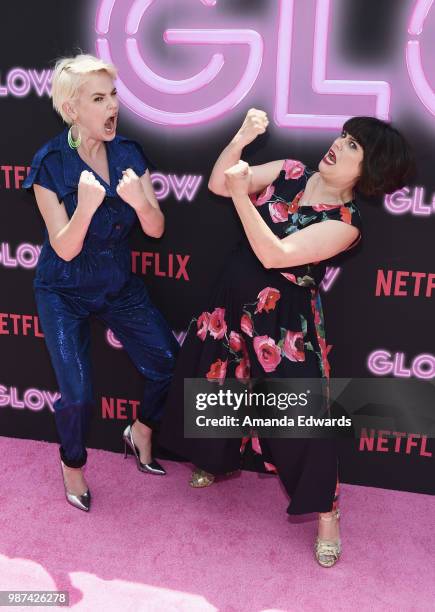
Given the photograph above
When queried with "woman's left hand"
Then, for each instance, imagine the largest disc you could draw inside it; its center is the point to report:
(130, 189)
(237, 179)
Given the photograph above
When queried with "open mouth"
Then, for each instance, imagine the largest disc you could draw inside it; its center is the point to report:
(330, 158)
(110, 124)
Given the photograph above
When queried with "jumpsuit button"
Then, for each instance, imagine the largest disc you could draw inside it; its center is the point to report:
(117, 226)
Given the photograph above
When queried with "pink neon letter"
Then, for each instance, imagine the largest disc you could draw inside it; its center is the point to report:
(413, 56)
(251, 38)
(379, 89)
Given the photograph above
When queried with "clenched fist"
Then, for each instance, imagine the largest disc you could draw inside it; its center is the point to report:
(91, 193)
(237, 179)
(130, 189)
(255, 123)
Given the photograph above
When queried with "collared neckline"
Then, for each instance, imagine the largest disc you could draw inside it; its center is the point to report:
(73, 165)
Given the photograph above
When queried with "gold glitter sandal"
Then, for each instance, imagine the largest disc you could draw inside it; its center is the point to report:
(201, 478)
(328, 552)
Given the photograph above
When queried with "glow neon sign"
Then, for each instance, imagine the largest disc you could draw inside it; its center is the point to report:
(158, 99)
(383, 363)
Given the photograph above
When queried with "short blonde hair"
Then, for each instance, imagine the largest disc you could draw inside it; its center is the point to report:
(69, 75)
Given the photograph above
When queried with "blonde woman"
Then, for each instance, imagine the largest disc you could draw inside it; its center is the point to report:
(91, 185)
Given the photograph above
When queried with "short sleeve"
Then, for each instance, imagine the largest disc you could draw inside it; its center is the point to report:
(43, 172)
(348, 213)
(39, 176)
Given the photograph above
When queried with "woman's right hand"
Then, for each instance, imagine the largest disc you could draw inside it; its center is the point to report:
(90, 192)
(255, 123)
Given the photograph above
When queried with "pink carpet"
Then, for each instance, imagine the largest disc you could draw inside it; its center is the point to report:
(154, 544)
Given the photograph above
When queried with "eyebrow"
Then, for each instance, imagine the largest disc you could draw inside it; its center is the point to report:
(352, 138)
(103, 94)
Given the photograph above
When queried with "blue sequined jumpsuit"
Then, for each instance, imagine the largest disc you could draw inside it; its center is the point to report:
(99, 282)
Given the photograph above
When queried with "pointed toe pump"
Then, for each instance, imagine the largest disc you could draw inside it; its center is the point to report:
(153, 467)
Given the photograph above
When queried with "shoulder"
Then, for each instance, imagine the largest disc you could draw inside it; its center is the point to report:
(124, 144)
(49, 151)
(46, 168)
(129, 152)
(294, 170)
(292, 178)
(122, 140)
(348, 213)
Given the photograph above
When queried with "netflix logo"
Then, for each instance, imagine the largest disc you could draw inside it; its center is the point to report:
(384, 441)
(11, 177)
(12, 324)
(401, 283)
(170, 265)
(119, 409)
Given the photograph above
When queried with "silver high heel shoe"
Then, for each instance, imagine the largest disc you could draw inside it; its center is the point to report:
(328, 552)
(151, 468)
(82, 502)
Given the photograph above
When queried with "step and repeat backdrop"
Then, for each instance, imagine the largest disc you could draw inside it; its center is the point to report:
(188, 72)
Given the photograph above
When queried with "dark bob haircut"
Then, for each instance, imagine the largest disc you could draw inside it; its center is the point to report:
(388, 161)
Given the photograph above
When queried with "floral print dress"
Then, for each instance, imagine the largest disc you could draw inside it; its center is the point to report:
(265, 322)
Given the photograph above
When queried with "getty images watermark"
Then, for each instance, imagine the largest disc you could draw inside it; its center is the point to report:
(261, 401)
(307, 408)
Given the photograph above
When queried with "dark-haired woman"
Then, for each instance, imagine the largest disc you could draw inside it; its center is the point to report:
(265, 319)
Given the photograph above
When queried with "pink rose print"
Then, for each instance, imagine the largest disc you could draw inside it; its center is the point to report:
(268, 353)
(293, 347)
(322, 344)
(236, 342)
(321, 207)
(267, 298)
(243, 369)
(218, 370)
(256, 446)
(345, 214)
(290, 277)
(293, 169)
(245, 440)
(270, 467)
(246, 325)
(323, 351)
(278, 212)
(202, 325)
(216, 325)
(294, 205)
(265, 195)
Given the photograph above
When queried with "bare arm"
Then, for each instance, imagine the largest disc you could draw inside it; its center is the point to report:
(151, 217)
(67, 235)
(314, 243)
(255, 123)
(228, 158)
(139, 194)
